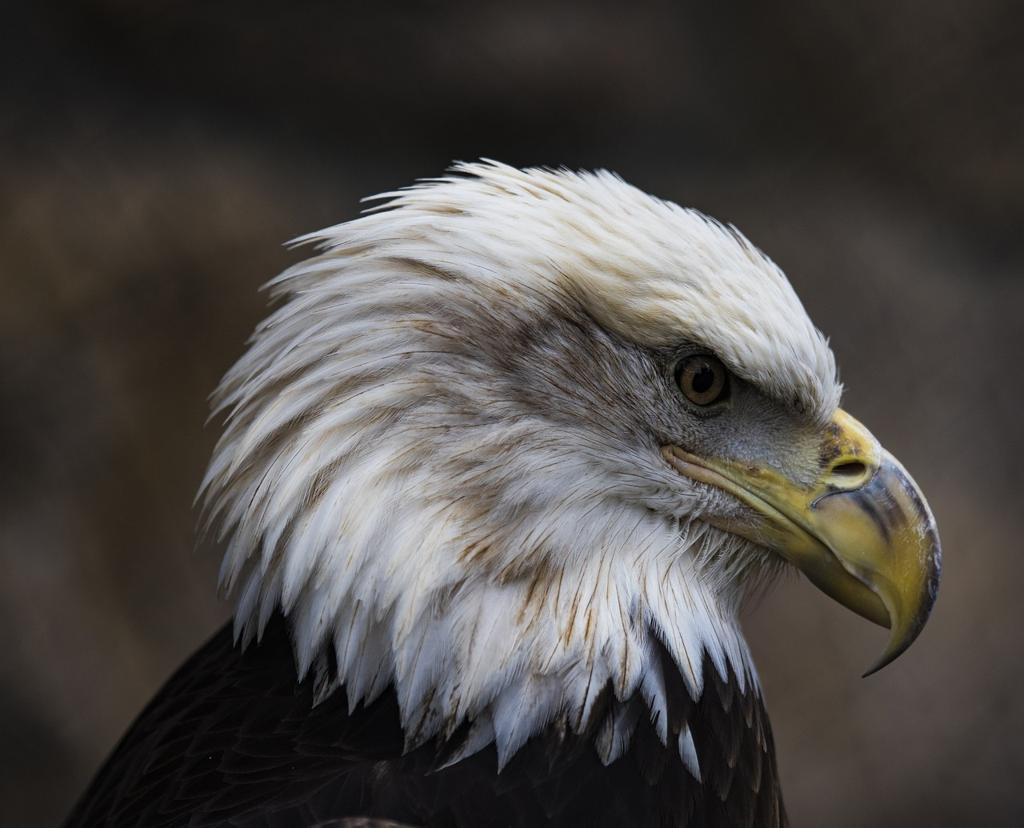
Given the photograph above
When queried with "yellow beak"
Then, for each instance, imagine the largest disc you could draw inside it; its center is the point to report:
(861, 532)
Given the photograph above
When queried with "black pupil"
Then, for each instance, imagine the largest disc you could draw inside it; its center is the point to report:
(703, 378)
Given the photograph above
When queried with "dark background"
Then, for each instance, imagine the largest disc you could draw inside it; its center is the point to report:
(154, 156)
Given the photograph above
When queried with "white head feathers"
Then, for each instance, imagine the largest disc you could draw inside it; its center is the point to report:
(436, 463)
(647, 269)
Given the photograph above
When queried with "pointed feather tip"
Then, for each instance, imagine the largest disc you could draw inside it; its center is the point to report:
(688, 753)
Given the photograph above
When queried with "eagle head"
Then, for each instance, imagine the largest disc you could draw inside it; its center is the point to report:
(514, 431)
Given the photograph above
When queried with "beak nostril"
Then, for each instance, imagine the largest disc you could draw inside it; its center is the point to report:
(853, 468)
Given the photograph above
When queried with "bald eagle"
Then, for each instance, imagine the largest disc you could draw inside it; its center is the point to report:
(496, 477)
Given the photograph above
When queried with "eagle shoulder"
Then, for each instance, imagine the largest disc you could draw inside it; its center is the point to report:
(234, 739)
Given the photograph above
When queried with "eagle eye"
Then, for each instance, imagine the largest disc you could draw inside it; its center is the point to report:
(703, 379)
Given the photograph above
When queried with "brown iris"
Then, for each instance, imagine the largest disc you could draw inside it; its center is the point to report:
(703, 379)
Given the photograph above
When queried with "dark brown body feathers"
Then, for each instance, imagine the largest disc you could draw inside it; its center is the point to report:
(233, 740)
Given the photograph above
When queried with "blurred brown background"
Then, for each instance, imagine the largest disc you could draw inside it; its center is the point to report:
(154, 156)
